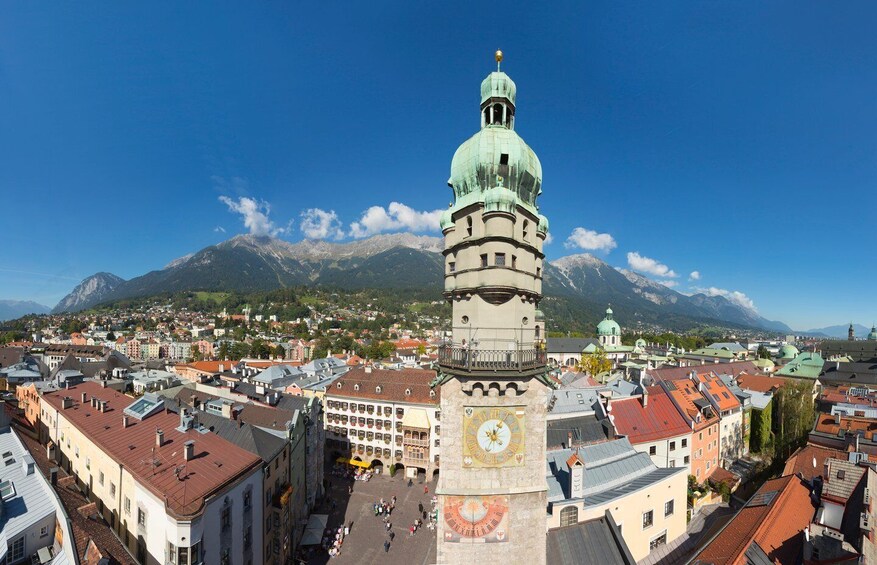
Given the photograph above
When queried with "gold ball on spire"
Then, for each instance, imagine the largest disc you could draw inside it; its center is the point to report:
(498, 56)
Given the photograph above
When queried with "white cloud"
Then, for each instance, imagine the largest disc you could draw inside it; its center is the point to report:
(255, 214)
(649, 266)
(219, 229)
(694, 276)
(734, 296)
(548, 238)
(320, 224)
(590, 240)
(396, 217)
(669, 284)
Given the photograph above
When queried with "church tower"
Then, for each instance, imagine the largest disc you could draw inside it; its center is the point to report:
(492, 490)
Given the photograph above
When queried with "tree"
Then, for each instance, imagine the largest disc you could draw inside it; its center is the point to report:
(279, 351)
(111, 336)
(762, 352)
(224, 350)
(260, 350)
(421, 350)
(595, 363)
(760, 435)
(796, 415)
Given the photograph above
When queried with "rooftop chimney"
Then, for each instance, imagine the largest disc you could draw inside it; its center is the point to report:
(159, 438)
(124, 420)
(189, 450)
(569, 439)
(84, 398)
(645, 397)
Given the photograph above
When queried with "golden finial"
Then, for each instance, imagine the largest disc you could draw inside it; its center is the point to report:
(498, 57)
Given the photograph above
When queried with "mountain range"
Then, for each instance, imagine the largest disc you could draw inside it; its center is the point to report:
(839, 331)
(577, 287)
(13, 309)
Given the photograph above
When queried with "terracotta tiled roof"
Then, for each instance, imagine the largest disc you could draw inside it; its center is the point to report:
(658, 419)
(759, 383)
(217, 462)
(774, 521)
(685, 393)
(826, 423)
(393, 385)
(810, 461)
(722, 395)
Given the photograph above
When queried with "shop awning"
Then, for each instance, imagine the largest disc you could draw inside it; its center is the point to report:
(353, 462)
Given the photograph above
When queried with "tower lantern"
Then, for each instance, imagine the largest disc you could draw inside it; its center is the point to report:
(492, 487)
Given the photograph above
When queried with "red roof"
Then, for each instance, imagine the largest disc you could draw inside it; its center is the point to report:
(217, 462)
(723, 396)
(775, 522)
(362, 383)
(658, 419)
(677, 373)
(759, 383)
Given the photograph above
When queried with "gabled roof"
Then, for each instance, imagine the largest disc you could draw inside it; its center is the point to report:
(568, 344)
(759, 383)
(404, 385)
(658, 419)
(774, 519)
(676, 373)
(593, 541)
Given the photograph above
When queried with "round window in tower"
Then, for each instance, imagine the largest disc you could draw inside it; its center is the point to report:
(525, 321)
(465, 319)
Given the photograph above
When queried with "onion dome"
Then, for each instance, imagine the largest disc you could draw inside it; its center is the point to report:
(446, 221)
(543, 224)
(498, 85)
(496, 152)
(788, 352)
(608, 326)
(872, 335)
(500, 199)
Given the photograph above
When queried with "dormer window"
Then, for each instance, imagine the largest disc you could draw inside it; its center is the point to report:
(432, 394)
(356, 386)
(407, 392)
(378, 389)
(338, 385)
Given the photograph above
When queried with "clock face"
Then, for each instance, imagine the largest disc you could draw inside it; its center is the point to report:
(493, 436)
(476, 518)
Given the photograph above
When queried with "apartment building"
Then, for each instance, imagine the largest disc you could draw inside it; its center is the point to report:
(173, 493)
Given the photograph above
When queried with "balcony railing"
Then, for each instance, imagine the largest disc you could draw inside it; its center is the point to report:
(460, 357)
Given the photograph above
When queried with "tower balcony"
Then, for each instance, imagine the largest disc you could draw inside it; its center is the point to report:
(464, 358)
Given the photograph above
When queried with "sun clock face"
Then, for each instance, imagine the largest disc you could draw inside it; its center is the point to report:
(493, 436)
(476, 518)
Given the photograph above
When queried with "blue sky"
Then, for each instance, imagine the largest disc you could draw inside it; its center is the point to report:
(732, 139)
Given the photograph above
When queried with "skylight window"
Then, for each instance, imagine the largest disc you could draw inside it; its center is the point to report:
(7, 490)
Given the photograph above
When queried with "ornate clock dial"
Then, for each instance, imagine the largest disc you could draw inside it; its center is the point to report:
(476, 517)
(493, 437)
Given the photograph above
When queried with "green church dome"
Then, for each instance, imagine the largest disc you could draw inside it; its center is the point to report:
(872, 335)
(788, 352)
(608, 326)
(500, 199)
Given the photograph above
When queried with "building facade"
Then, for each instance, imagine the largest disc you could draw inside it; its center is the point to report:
(171, 493)
(492, 487)
(385, 417)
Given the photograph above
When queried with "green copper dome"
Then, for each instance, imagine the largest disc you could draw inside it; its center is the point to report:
(788, 352)
(543, 224)
(872, 335)
(500, 199)
(498, 85)
(446, 220)
(496, 151)
(608, 326)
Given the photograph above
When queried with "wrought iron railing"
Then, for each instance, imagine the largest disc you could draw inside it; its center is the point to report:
(461, 357)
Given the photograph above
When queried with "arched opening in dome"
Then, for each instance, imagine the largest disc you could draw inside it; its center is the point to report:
(497, 114)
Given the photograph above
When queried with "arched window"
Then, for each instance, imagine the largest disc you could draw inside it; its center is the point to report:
(569, 516)
(497, 114)
(526, 229)
(538, 334)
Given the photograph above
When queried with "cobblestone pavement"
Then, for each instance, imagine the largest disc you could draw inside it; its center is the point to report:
(705, 524)
(365, 544)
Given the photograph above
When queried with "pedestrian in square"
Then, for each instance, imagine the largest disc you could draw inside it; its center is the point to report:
(386, 546)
